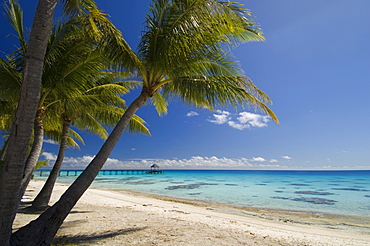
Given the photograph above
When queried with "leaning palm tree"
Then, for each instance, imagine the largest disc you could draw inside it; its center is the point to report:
(21, 131)
(22, 127)
(72, 67)
(181, 54)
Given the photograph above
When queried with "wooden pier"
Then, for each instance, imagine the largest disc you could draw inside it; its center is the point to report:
(102, 172)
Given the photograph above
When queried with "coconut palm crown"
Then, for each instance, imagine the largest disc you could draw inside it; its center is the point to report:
(185, 52)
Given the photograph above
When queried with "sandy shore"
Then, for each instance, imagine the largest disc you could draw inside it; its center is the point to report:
(106, 217)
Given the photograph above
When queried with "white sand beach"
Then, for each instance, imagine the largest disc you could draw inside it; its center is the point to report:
(119, 217)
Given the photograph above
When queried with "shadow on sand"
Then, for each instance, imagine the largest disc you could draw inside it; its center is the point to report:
(77, 239)
(26, 208)
(87, 239)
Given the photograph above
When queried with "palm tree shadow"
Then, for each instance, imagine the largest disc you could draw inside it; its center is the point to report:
(90, 238)
(26, 208)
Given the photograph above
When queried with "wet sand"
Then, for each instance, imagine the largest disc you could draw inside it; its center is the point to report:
(120, 217)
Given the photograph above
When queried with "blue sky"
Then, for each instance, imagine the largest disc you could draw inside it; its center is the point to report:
(314, 65)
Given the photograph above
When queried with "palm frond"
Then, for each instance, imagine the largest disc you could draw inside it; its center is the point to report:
(74, 135)
(108, 115)
(137, 125)
(160, 103)
(109, 89)
(212, 91)
(55, 135)
(15, 18)
(177, 29)
(10, 78)
(97, 26)
(88, 123)
(7, 114)
(78, 7)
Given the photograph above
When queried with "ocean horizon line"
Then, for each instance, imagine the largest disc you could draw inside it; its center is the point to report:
(194, 169)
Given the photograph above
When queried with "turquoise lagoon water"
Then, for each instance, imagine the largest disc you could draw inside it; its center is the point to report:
(337, 192)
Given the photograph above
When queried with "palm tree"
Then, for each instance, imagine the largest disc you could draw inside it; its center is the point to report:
(21, 131)
(182, 54)
(88, 114)
(72, 66)
(12, 170)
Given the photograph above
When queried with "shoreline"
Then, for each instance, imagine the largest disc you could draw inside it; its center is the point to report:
(353, 222)
(280, 190)
(113, 217)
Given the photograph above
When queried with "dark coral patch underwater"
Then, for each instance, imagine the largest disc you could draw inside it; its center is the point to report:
(315, 200)
(350, 189)
(300, 184)
(189, 186)
(314, 193)
(141, 183)
(280, 197)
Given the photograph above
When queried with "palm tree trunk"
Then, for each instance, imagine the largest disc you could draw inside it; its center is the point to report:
(12, 170)
(42, 199)
(42, 230)
(35, 151)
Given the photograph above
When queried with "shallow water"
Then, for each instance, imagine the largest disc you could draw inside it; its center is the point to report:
(338, 192)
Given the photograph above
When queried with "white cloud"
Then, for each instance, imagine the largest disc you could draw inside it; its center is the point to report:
(244, 121)
(235, 125)
(254, 120)
(273, 160)
(287, 157)
(258, 159)
(221, 117)
(192, 113)
(50, 141)
(49, 156)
